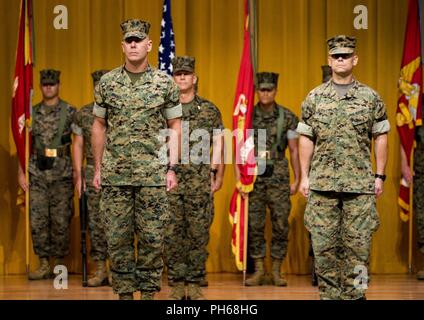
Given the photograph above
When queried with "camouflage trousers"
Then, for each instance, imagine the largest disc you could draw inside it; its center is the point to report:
(273, 193)
(187, 236)
(129, 212)
(98, 245)
(419, 207)
(341, 226)
(50, 216)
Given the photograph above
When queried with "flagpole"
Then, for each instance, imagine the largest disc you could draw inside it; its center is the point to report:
(411, 214)
(27, 125)
(246, 221)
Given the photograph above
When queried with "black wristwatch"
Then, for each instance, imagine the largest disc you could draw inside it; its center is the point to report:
(380, 176)
(214, 171)
(172, 168)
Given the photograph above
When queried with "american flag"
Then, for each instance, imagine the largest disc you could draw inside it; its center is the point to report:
(167, 42)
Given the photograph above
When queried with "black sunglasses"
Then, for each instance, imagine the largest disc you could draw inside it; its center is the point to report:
(131, 39)
(344, 56)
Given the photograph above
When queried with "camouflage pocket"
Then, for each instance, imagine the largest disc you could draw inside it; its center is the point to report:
(153, 102)
(360, 122)
(323, 127)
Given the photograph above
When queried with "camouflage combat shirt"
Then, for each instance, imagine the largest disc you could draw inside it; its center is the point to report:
(135, 115)
(342, 129)
(45, 124)
(268, 121)
(204, 117)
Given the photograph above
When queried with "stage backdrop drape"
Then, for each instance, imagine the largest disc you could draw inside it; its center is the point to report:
(291, 41)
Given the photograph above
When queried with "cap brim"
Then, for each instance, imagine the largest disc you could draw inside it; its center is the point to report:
(266, 86)
(341, 51)
(49, 82)
(135, 34)
(182, 69)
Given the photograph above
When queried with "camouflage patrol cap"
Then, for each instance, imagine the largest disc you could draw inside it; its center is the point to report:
(341, 44)
(183, 63)
(267, 80)
(135, 28)
(326, 73)
(49, 76)
(96, 75)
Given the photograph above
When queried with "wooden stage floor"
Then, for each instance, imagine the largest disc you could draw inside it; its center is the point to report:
(222, 286)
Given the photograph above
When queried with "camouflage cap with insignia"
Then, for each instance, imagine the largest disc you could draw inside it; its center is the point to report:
(96, 75)
(341, 44)
(267, 80)
(184, 63)
(326, 73)
(135, 28)
(49, 76)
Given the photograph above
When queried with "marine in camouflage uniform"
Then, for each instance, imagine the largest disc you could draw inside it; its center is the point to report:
(133, 103)
(82, 148)
(272, 188)
(339, 119)
(192, 202)
(50, 175)
(418, 182)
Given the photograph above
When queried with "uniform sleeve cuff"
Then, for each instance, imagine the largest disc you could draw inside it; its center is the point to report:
(292, 134)
(174, 112)
(99, 111)
(381, 127)
(304, 129)
(76, 129)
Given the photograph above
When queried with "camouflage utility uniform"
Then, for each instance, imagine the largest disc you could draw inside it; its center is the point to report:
(192, 203)
(341, 211)
(134, 198)
(51, 190)
(272, 191)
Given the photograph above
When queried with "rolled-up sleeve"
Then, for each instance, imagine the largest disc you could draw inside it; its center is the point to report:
(292, 134)
(381, 127)
(381, 124)
(173, 108)
(304, 130)
(173, 112)
(99, 108)
(99, 111)
(76, 129)
(304, 127)
(76, 124)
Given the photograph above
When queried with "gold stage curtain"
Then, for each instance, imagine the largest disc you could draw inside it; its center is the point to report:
(291, 41)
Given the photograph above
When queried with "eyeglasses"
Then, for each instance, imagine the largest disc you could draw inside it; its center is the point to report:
(265, 90)
(344, 56)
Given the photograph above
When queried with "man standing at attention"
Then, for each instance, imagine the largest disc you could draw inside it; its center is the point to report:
(192, 202)
(133, 103)
(339, 120)
(272, 189)
(50, 175)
